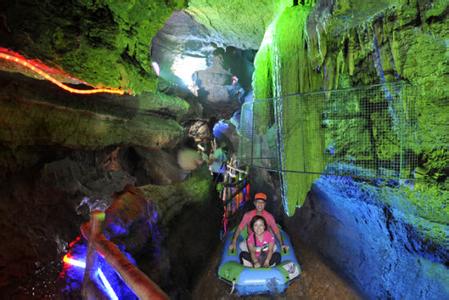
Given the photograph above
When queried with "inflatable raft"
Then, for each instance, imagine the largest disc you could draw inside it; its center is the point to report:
(249, 281)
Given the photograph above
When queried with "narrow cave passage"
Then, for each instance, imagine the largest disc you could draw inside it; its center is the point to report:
(134, 136)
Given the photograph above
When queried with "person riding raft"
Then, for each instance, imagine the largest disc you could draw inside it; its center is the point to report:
(261, 246)
(259, 203)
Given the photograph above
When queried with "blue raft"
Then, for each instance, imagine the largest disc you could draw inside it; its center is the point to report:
(249, 281)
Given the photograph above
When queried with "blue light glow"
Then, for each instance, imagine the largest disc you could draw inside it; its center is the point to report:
(73, 273)
(107, 285)
(104, 280)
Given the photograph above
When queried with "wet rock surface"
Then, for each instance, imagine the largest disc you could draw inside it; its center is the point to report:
(374, 245)
(38, 222)
(187, 56)
(86, 38)
(153, 166)
(180, 37)
(183, 259)
(44, 115)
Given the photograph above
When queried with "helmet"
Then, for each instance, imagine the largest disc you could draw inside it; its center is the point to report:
(260, 196)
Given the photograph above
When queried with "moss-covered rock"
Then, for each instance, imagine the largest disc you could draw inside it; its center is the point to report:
(353, 43)
(103, 42)
(43, 115)
(282, 68)
(236, 23)
(171, 199)
(25, 123)
(160, 103)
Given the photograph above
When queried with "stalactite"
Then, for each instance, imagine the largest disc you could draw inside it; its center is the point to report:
(294, 74)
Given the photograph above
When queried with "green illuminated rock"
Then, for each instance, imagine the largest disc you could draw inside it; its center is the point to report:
(102, 42)
(171, 199)
(79, 129)
(44, 115)
(282, 68)
(355, 43)
(236, 23)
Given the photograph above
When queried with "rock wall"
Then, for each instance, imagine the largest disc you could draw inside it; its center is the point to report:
(240, 24)
(36, 114)
(348, 44)
(101, 42)
(387, 250)
(371, 242)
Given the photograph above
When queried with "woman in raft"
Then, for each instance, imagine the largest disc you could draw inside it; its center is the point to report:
(260, 245)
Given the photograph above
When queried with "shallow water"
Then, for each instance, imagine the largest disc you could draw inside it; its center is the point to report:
(317, 281)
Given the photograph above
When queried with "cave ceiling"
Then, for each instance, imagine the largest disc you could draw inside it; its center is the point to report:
(107, 43)
(86, 44)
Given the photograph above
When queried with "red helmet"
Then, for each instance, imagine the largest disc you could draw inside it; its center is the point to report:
(260, 196)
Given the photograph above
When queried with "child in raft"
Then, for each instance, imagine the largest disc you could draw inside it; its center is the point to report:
(260, 245)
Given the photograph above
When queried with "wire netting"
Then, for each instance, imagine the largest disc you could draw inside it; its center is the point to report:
(366, 132)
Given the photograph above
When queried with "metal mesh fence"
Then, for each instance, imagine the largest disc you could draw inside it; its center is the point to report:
(258, 143)
(366, 132)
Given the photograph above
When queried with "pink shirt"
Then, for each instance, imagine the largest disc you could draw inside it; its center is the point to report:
(267, 216)
(261, 245)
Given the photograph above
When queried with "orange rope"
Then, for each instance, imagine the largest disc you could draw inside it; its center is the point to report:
(27, 64)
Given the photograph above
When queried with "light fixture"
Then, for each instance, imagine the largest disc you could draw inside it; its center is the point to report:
(103, 279)
(29, 64)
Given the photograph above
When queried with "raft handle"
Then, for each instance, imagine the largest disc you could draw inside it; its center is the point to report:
(233, 286)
